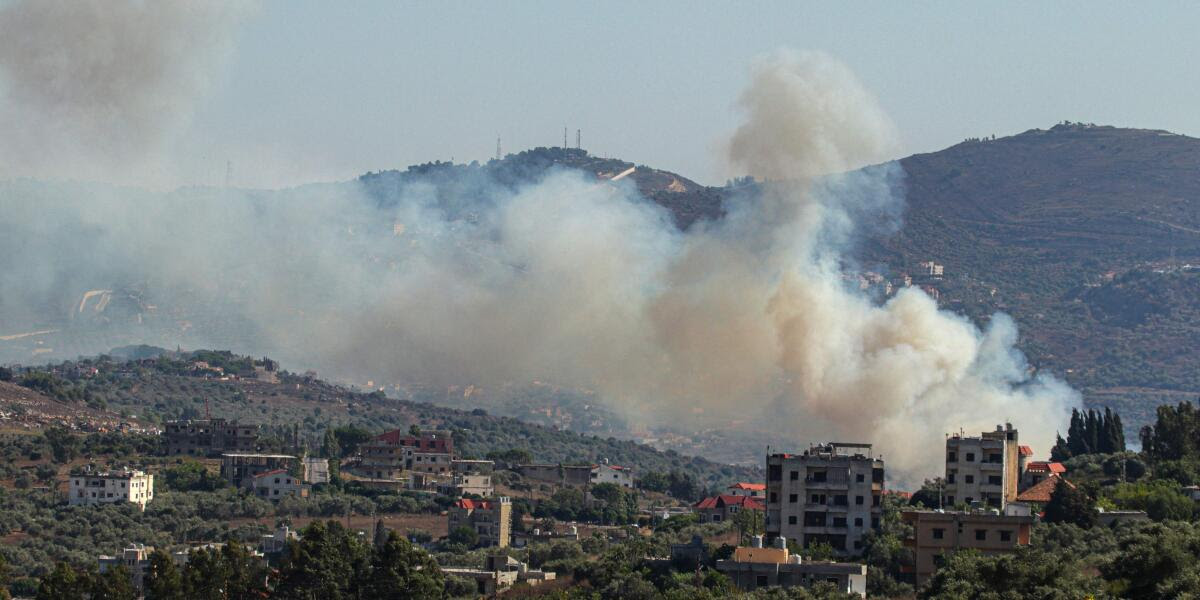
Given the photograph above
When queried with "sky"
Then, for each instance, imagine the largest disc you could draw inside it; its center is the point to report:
(318, 91)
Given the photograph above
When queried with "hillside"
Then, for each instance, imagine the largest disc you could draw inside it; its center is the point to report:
(1084, 234)
(168, 387)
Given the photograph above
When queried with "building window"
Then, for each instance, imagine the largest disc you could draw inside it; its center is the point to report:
(774, 497)
(875, 522)
(995, 458)
(858, 500)
(774, 472)
(839, 500)
(839, 521)
(791, 519)
(858, 521)
(970, 478)
(970, 457)
(794, 475)
(950, 477)
(981, 534)
(951, 457)
(860, 478)
(818, 476)
(939, 533)
(994, 480)
(760, 580)
(793, 498)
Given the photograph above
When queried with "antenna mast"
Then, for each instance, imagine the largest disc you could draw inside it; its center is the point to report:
(564, 137)
(577, 138)
(497, 147)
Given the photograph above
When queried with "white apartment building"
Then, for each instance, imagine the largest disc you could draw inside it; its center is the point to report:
(126, 485)
(831, 493)
(983, 469)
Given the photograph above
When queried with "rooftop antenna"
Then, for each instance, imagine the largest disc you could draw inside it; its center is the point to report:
(564, 137)
(577, 145)
(497, 147)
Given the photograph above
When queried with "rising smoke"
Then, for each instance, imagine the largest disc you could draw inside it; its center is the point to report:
(93, 89)
(570, 280)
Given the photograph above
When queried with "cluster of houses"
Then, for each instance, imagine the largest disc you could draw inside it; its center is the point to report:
(829, 495)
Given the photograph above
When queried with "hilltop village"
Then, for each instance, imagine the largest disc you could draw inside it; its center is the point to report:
(193, 494)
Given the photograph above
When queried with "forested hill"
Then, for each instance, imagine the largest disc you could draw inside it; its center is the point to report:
(1088, 235)
(170, 386)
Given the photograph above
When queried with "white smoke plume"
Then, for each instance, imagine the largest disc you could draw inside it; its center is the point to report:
(92, 88)
(570, 280)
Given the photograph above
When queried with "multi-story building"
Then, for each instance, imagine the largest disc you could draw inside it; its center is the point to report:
(1038, 471)
(135, 559)
(938, 532)
(491, 520)
(984, 469)
(469, 477)
(277, 484)
(115, 486)
(239, 469)
(614, 474)
(205, 437)
(756, 567)
(830, 494)
(389, 455)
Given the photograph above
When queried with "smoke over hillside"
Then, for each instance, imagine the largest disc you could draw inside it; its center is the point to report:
(572, 280)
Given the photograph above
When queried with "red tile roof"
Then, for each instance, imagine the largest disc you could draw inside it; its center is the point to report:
(1042, 490)
(275, 472)
(473, 504)
(1041, 466)
(725, 500)
(1025, 450)
(752, 487)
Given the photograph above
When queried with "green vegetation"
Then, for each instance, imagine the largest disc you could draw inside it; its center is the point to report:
(1091, 432)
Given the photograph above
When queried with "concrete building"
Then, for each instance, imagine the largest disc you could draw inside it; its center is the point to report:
(938, 532)
(389, 455)
(722, 508)
(239, 469)
(135, 559)
(983, 469)
(754, 567)
(490, 519)
(209, 437)
(499, 573)
(614, 474)
(753, 490)
(462, 484)
(115, 486)
(559, 474)
(316, 470)
(276, 485)
(831, 493)
(277, 541)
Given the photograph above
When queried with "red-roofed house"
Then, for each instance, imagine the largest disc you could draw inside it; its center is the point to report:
(491, 520)
(752, 490)
(1038, 471)
(1040, 492)
(276, 484)
(723, 507)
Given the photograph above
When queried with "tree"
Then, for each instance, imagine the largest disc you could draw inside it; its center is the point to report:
(63, 583)
(1175, 434)
(464, 535)
(63, 444)
(749, 524)
(162, 580)
(5, 579)
(1024, 574)
(331, 450)
(1061, 451)
(326, 563)
(398, 570)
(1070, 505)
(113, 584)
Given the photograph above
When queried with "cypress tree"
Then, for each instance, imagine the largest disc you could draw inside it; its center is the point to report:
(1093, 432)
(1060, 452)
(1070, 505)
(63, 583)
(1076, 434)
(1118, 434)
(113, 584)
(398, 570)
